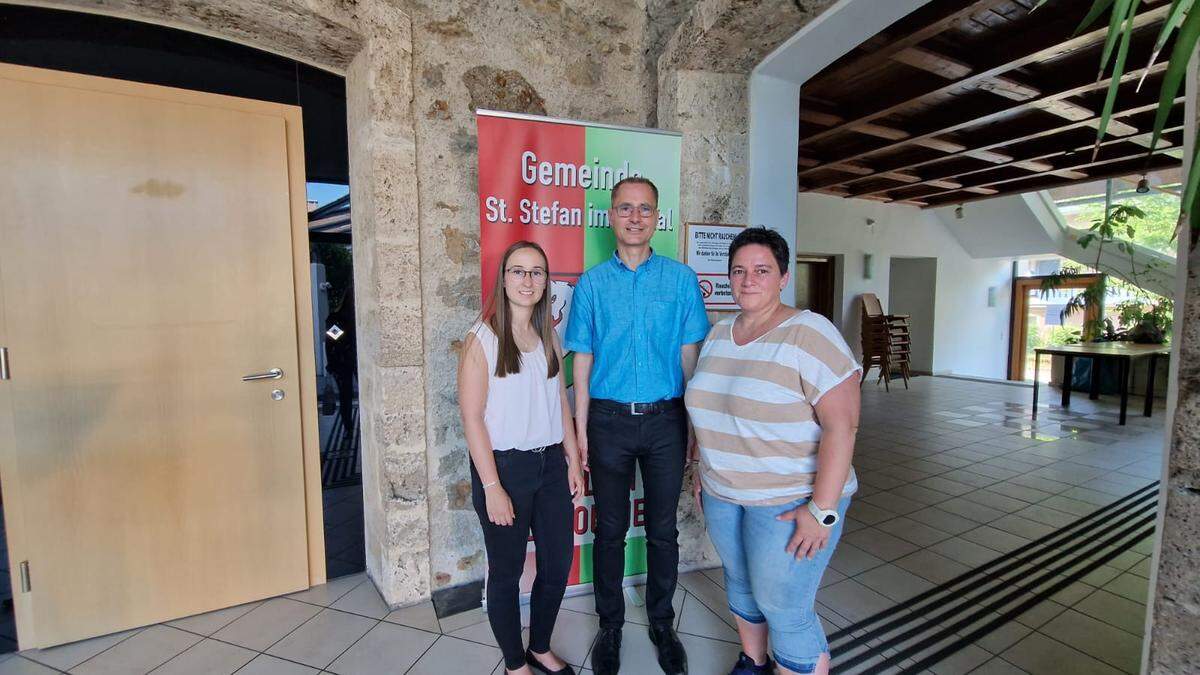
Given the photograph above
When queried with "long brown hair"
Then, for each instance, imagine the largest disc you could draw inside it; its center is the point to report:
(498, 315)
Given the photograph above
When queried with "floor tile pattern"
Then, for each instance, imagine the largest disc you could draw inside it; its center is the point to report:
(954, 476)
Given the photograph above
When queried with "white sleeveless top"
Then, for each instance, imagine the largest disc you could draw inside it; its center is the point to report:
(523, 409)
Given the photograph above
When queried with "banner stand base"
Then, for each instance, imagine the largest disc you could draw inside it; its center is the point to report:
(634, 596)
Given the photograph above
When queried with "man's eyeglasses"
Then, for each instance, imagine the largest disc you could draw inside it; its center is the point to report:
(626, 210)
(518, 274)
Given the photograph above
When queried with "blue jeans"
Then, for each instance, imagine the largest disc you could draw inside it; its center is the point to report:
(764, 583)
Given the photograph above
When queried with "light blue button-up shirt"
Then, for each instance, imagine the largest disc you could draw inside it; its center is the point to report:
(634, 323)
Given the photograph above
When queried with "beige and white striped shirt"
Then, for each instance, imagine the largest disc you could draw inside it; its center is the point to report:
(753, 408)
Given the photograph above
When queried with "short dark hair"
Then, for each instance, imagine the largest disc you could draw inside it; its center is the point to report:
(763, 237)
(634, 180)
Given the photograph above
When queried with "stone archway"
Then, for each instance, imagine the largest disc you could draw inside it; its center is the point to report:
(371, 43)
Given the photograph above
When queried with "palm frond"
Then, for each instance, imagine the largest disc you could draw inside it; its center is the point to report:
(1185, 42)
(1110, 100)
(1174, 18)
(1120, 11)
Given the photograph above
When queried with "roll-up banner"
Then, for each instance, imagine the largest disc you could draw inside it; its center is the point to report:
(549, 181)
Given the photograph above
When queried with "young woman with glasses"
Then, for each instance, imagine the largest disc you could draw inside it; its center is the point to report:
(525, 465)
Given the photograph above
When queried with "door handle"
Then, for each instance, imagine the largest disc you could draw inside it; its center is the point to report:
(272, 374)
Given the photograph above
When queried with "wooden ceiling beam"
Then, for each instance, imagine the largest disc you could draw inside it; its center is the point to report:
(1145, 18)
(991, 117)
(880, 131)
(807, 114)
(1033, 165)
(989, 156)
(933, 62)
(1038, 164)
(1075, 172)
(824, 119)
(852, 167)
(1156, 164)
(897, 44)
(1069, 173)
(939, 144)
(953, 69)
(999, 144)
(901, 177)
(1009, 88)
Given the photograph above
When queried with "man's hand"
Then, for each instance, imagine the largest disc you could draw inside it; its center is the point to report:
(810, 536)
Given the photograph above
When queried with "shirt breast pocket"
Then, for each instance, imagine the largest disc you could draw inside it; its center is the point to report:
(660, 315)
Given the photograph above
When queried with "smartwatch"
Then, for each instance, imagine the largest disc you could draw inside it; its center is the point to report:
(827, 518)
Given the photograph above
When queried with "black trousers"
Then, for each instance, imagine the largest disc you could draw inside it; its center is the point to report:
(536, 482)
(657, 442)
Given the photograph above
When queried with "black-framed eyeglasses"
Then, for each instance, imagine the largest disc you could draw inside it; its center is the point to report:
(626, 210)
(518, 274)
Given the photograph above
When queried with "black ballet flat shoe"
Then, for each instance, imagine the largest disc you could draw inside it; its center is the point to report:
(537, 665)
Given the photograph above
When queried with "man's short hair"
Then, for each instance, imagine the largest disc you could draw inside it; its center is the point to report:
(763, 237)
(634, 180)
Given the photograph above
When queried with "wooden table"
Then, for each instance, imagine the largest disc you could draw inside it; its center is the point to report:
(1123, 352)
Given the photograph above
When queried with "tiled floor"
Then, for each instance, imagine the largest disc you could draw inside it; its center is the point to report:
(956, 480)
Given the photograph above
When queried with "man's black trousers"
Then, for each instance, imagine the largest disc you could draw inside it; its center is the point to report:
(656, 442)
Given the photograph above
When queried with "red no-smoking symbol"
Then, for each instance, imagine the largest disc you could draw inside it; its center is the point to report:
(706, 288)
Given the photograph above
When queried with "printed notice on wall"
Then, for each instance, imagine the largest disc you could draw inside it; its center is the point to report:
(706, 251)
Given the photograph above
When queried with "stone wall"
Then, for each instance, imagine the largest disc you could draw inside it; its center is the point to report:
(1176, 604)
(571, 59)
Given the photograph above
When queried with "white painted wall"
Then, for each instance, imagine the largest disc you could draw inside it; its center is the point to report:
(1004, 226)
(969, 337)
(912, 290)
(775, 103)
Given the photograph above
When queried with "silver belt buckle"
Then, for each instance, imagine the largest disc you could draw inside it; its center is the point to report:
(633, 410)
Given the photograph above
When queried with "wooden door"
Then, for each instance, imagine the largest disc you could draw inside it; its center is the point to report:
(1019, 320)
(152, 255)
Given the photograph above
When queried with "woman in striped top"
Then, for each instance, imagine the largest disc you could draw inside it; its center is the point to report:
(775, 404)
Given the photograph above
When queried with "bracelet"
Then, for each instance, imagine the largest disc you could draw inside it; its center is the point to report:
(488, 485)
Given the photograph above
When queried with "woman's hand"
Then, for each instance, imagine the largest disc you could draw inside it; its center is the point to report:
(697, 489)
(810, 536)
(499, 506)
(581, 441)
(575, 479)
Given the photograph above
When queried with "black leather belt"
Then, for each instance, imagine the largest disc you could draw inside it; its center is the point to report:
(619, 408)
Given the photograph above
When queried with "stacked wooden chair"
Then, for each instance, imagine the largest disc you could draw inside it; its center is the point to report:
(885, 341)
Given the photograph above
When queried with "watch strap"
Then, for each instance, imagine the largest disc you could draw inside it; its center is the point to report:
(826, 518)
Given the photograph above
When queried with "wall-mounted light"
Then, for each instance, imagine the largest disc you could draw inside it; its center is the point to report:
(866, 265)
(1143, 185)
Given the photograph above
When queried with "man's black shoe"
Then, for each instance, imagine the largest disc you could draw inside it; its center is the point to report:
(746, 666)
(606, 655)
(671, 657)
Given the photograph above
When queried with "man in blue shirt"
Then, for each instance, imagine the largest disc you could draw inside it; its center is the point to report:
(636, 323)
